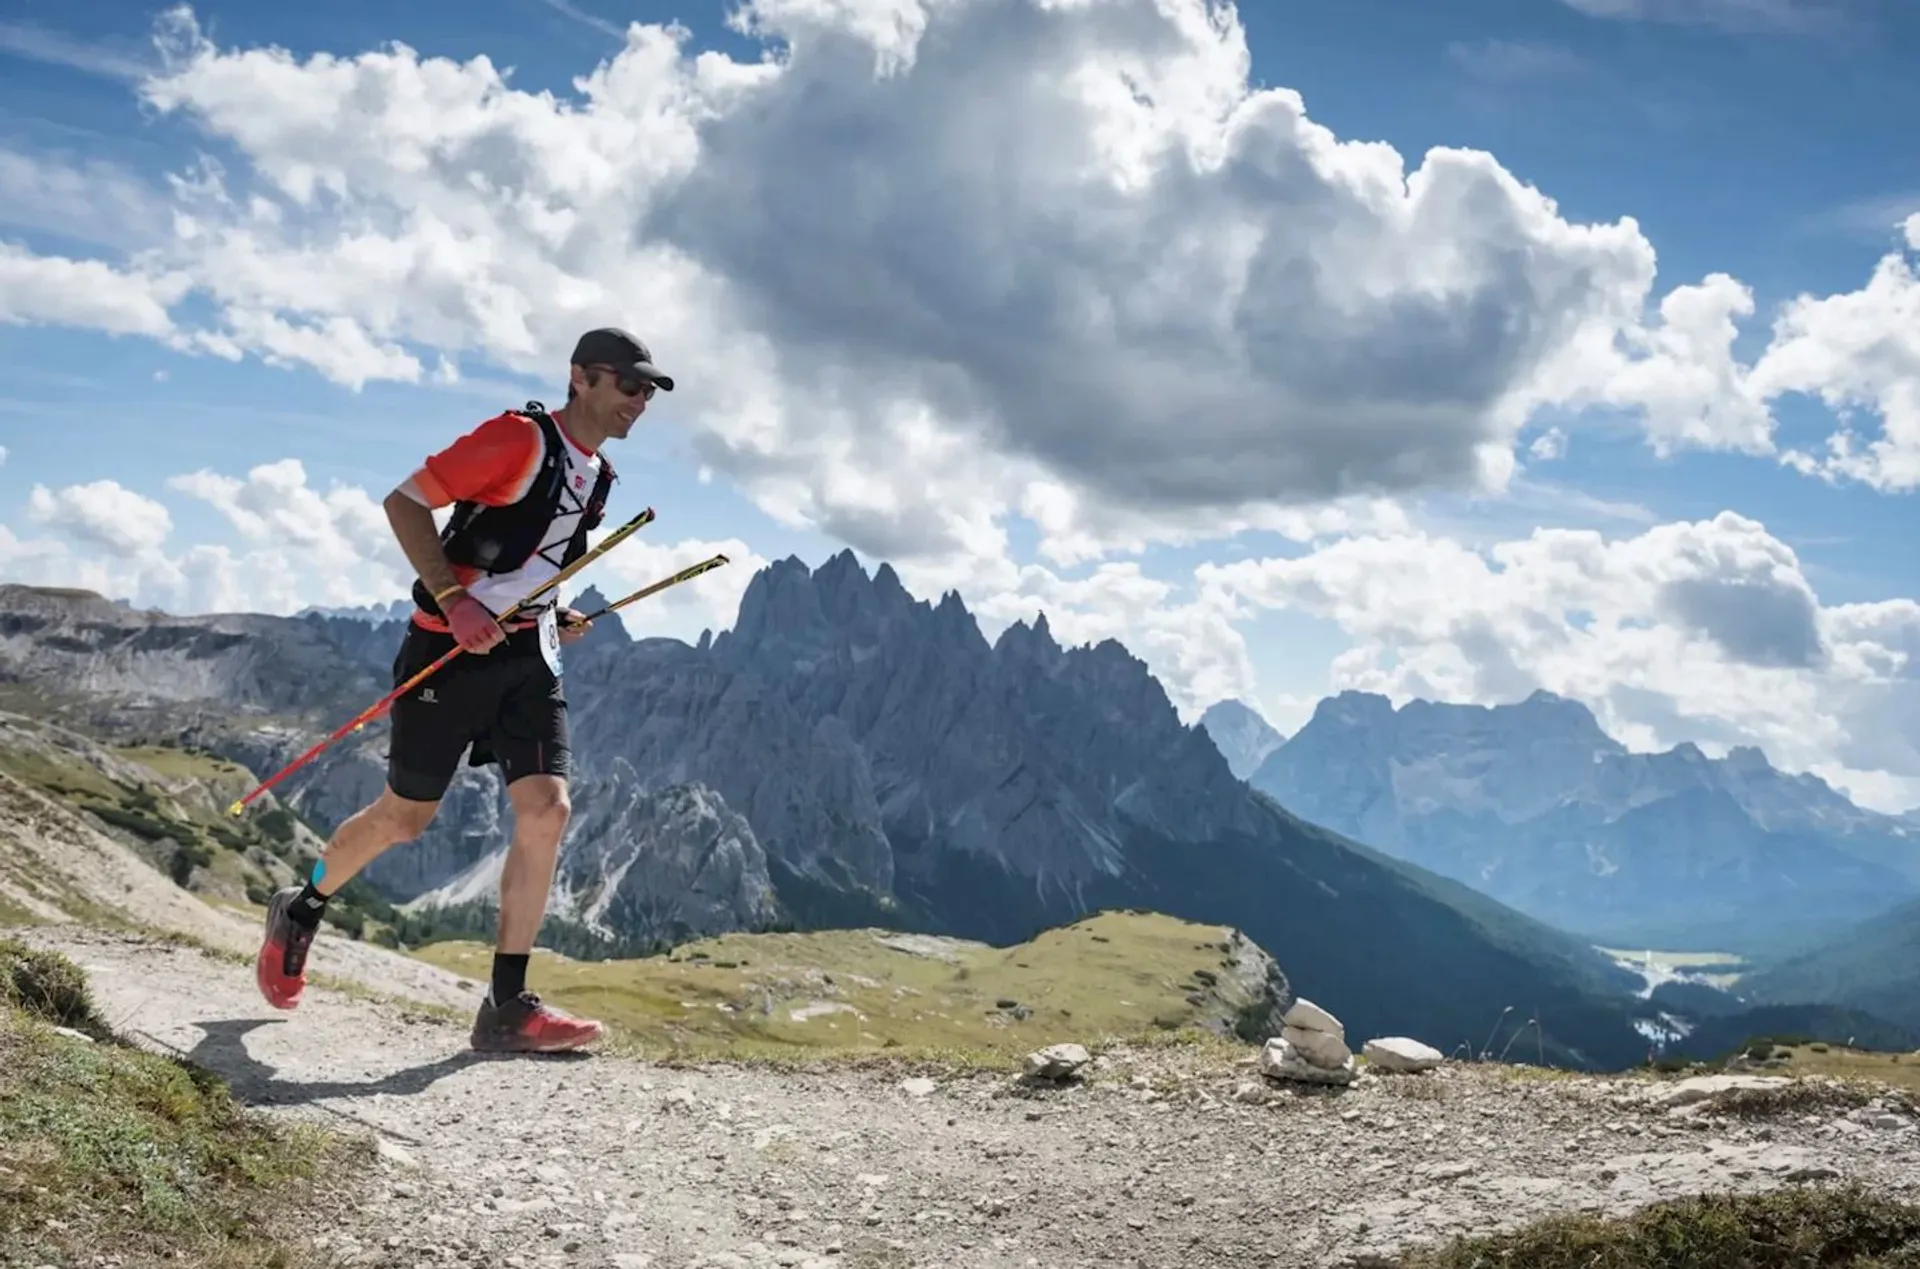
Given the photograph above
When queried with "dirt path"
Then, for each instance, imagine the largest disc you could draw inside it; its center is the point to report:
(608, 1162)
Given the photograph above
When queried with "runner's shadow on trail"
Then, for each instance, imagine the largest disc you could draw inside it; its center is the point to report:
(223, 1050)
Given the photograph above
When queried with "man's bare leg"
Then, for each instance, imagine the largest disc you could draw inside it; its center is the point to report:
(508, 1021)
(293, 915)
(366, 835)
(540, 812)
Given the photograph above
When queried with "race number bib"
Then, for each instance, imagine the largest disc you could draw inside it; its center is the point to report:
(550, 638)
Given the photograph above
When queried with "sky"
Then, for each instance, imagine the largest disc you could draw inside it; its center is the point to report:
(1440, 350)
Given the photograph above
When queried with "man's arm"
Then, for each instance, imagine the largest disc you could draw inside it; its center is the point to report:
(473, 627)
(492, 464)
(419, 538)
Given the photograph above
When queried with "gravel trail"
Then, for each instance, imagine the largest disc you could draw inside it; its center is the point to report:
(1156, 1160)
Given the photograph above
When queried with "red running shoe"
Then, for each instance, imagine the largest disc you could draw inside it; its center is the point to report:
(281, 967)
(525, 1025)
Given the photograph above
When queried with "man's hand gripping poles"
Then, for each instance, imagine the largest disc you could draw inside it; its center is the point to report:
(380, 706)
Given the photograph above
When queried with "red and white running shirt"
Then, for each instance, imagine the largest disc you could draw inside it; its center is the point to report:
(494, 465)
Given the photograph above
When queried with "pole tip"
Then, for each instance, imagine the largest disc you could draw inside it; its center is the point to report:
(236, 808)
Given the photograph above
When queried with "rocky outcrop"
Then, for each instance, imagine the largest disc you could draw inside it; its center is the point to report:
(80, 644)
(668, 864)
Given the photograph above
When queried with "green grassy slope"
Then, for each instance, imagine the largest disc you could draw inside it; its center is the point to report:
(1114, 975)
(105, 1147)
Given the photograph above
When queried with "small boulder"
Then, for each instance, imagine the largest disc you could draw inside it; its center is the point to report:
(1322, 1048)
(1307, 1016)
(1401, 1054)
(1056, 1061)
(1279, 1060)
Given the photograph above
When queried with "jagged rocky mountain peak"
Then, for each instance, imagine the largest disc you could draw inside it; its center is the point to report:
(606, 630)
(590, 599)
(1030, 641)
(794, 614)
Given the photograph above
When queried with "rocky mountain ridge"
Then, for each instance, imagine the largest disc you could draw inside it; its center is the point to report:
(1534, 804)
(889, 765)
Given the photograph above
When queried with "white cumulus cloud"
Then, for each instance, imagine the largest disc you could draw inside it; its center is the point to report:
(104, 513)
(708, 601)
(934, 265)
(299, 547)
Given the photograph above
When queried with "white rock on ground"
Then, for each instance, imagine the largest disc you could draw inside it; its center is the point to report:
(1401, 1054)
(1057, 1061)
(1281, 1061)
(1321, 1048)
(1308, 1016)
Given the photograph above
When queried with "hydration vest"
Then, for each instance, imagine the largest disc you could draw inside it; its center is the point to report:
(501, 539)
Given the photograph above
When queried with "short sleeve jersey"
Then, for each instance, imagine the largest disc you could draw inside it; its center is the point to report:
(494, 465)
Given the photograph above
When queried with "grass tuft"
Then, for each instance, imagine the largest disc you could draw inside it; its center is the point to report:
(1799, 1097)
(48, 987)
(1831, 1228)
(104, 1145)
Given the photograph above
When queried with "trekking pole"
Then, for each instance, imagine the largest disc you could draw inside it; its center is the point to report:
(374, 710)
(684, 575)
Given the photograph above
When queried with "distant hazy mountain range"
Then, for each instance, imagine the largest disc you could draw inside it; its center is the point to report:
(1533, 804)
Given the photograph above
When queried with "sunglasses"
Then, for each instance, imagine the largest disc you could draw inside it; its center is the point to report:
(629, 384)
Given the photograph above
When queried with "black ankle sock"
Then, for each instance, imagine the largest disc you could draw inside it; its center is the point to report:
(308, 907)
(509, 975)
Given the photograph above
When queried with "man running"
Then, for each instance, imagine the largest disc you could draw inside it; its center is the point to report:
(526, 487)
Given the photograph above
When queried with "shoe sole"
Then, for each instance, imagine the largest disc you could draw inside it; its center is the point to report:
(513, 1044)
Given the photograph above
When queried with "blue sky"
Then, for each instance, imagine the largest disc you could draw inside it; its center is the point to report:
(1775, 149)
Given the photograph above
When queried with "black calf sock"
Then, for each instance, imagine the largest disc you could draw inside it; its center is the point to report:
(308, 907)
(509, 975)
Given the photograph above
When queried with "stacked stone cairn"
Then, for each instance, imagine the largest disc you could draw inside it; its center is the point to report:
(1311, 1048)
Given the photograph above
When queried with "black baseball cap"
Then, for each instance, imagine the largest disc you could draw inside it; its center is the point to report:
(611, 346)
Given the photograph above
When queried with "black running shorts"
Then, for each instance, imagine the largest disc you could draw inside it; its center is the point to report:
(506, 704)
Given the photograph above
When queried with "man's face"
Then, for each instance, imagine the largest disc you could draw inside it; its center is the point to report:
(601, 396)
